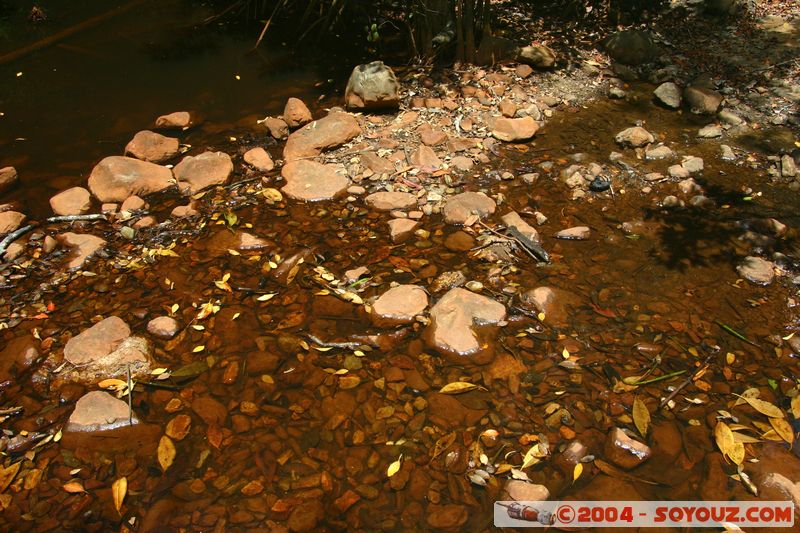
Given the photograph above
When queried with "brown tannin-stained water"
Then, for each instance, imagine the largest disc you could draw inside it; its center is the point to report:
(287, 407)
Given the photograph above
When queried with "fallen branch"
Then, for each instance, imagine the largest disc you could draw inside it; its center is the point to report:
(685, 382)
(14, 235)
(75, 218)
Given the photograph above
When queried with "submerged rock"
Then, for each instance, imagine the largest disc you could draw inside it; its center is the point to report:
(10, 221)
(625, 452)
(523, 491)
(372, 86)
(195, 173)
(702, 101)
(154, 147)
(163, 327)
(757, 270)
(74, 201)
(459, 208)
(454, 317)
(578, 233)
(323, 134)
(116, 177)
(259, 159)
(399, 305)
(107, 349)
(554, 303)
(400, 229)
(83, 247)
(310, 181)
(99, 411)
(389, 201)
(178, 119)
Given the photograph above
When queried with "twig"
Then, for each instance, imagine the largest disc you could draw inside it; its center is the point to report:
(76, 218)
(685, 382)
(130, 397)
(345, 345)
(14, 235)
(11, 237)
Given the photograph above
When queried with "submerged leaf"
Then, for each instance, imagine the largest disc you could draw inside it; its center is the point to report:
(118, 490)
(8, 474)
(394, 467)
(641, 416)
(457, 387)
(783, 428)
(577, 471)
(166, 452)
(764, 407)
(724, 438)
(74, 487)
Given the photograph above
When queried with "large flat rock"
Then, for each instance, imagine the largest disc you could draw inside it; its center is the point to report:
(399, 305)
(116, 177)
(454, 318)
(83, 247)
(310, 181)
(329, 132)
(195, 173)
(99, 411)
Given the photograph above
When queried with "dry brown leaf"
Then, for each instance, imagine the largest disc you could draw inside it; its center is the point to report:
(8, 474)
(796, 406)
(118, 490)
(737, 453)
(166, 452)
(577, 471)
(178, 427)
(641, 416)
(764, 407)
(783, 428)
(724, 437)
(457, 387)
(74, 487)
(744, 439)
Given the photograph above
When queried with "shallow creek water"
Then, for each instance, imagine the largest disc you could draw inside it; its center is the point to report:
(277, 437)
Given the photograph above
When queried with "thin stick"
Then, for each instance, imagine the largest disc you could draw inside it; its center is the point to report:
(685, 382)
(14, 235)
(130, 397)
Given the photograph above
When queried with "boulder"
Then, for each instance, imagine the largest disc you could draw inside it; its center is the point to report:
(399, 305)
(459, 208)
(372, 86)
(454, 317)
(757, 270)
(74, 201)
(106, 349)
(99, 411)
(513, 220)
(310, 181)
(82, 246)
(631, 47)
(331, 131)
(624, 451)
(692, 163)
(178, 119)
(296, 114)
(554, 303)
(154, 147)
(669, 95)
(701, 100)
(163, 327)
(10, 221)
(259, 159)
(116, 177)
(400, 229)
(523, 491)
(389, 201)
(539, 55)
(133, 203)
(514, 129)
(8, 178)
(195, 173)
(634, 137)
(425, 159)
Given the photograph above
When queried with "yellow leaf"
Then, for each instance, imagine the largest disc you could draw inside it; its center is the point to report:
(118, 490)
(8, 474)
(541, 317)
(74, 487)
(641, 416)
(724, 437)
(198, 349)
(174, 308)
(113, 384)
(235, 316)
(166, 452)
(533, 455)
(783, 428)
(457, 387)
(577, 471)
(158, 371)
(226, 277)
(341, 372)
(233, 252)
(730, 358)
(359, 353)
(394, 467)
(796, 406)
(763, 407)
(565, 354)
(737, 453)
(266, 297)
(198, 327)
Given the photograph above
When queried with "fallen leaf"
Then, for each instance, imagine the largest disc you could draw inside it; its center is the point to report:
(457, 387)
(166, 452)
(577, 471)
(783, 428)
(764, 407)
(266, 297)
(74, 487)
(737, 453)
(8, 474)
(113, 384)
(641, 416)
(724, 438)
(796, 406)
(394, 467)
(118, 490)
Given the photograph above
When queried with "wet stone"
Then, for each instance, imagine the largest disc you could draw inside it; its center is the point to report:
(74, 201)
(453, 317)
(106, 349)
(757, 270)
(401, 229)
(10, 221)
(296, 114)
(98, 411)
(116, 177)
(658, 152)
(259, 159)
(702, 101)
(329, 132)
(459, 241)
(8, 178)
(153, 147)
(388, 201)
(459, 208)
(712, 131)
(448, 516)
(277, 128)
(578, 233)
(312, 182)
(522, 491)
(195, 173)
(399, 305)
(625, 452)
(554, 303)
(133, 203)
(669, 95)
(678, 171)
(163, 327)
(83, 247)
(178, 119)
(514, 129)
(634, 137)
(513, 220)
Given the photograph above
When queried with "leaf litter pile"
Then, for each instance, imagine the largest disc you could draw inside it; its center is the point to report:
(278, 404)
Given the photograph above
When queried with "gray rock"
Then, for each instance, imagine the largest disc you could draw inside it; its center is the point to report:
(659, 152)
(692, 164)
(701, 100)
(726, 153)
(539, 55)
(729, 117)
(616, 93)
(757, 270)
(669, 95)
(677, 171)
(631, 47)
(788, 166)
(634, 137)
(712, 131)
(372, 86)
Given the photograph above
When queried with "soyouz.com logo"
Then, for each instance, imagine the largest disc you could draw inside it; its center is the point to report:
(754, 514)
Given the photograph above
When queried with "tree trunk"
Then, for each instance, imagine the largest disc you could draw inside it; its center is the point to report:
(459, 11)
(469, 30)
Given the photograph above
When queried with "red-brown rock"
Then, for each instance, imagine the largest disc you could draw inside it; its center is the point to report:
(154, 147)
(83, 247)
(389, 201)
(259, 159)
(453, 318)
(8, 178)
(296, 114)
(460, 207)
(625, 452)
(312, 182)
(98, 411)
(323, 134)
(195, 173)
(10, 221)
(116, 177)
(514, 129)
(399, 305)
(74, 201)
